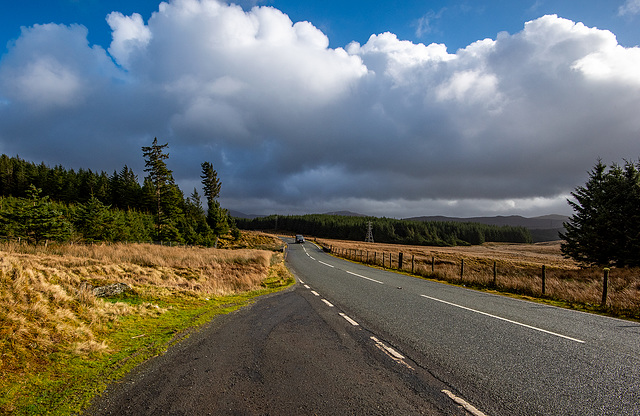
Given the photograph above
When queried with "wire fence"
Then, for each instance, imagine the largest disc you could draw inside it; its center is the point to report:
(615, 291)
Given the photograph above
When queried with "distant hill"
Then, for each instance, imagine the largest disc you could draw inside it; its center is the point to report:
(535, 223)
(544, 228)
(238, 214)
(345, 214)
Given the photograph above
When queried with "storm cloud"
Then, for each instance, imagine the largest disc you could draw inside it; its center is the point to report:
(389, 127)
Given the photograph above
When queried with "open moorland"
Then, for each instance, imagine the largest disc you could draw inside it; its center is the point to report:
(61, 342)
(516, 269)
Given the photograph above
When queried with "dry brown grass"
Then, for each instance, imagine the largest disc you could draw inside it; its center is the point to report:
(519, 270)
(47, 306)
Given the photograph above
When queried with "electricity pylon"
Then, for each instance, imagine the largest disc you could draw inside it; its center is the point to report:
(369, 238)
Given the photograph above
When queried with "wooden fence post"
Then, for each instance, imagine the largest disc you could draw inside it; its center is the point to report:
(544, 278)
(605, 285)
(433, 264)
(413, 259)
(400, 255)
(495, 273)
(461, 269)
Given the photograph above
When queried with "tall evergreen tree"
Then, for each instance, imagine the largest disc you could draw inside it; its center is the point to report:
(37, 219)
(161, 178)
(95, 221)
(216, 216)
(605, 228)
(125, 189)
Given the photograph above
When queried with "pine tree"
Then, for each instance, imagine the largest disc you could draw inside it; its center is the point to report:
(605, 228)
(125, 189)
(95, 221)
(217, 218)
(160, 177)
(37, 219)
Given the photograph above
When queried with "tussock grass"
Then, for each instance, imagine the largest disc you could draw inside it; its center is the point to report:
(59, 344)
(519, 271)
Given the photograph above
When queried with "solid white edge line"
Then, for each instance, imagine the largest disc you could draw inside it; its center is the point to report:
(329, 304)
(467, 406)
(364, 277)
(505, 319)
(326, 264)
(311, 258)
(351, 321)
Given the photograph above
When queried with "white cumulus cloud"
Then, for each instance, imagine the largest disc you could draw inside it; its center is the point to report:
(388, 127)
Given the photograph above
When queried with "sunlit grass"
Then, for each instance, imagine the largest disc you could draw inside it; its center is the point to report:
(60, 345)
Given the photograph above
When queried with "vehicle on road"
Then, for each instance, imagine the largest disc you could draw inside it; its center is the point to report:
(299, 239)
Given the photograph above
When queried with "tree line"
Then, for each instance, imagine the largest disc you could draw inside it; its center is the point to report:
(40, 203)
(387, 230)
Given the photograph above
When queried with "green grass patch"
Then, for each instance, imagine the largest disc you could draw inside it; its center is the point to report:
(64, 383)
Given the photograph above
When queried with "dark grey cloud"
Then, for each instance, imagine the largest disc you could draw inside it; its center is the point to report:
(389, 127)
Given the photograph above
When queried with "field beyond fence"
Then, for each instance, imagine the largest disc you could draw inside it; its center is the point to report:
(535, 270)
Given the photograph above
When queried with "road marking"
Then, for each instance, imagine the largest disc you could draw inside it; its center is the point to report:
(390, 352)
(387, 348)
(311, 257)
(315, 293)
(326, 264)
(328, 303)
(468, 407)
(506, 320)
(364, 277)
(351, 321)
(300, 281)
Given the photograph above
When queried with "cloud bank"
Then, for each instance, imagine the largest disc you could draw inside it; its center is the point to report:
(505, 125)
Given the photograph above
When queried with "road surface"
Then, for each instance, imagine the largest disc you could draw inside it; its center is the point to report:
(504, 356)
(353, 340)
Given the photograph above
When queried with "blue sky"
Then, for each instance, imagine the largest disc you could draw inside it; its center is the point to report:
(458, 108)
(455, 23)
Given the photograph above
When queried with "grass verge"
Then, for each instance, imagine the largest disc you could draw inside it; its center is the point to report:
(60, 346)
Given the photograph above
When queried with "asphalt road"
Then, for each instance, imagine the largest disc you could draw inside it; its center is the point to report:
(353, 340)
(501, 355)
(289, 353)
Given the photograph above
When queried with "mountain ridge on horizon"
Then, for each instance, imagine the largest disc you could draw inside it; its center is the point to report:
(542, 228)
(541, 221)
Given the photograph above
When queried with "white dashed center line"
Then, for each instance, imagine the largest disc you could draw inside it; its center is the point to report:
(387, 348)
(351, 321)
(468, 407)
